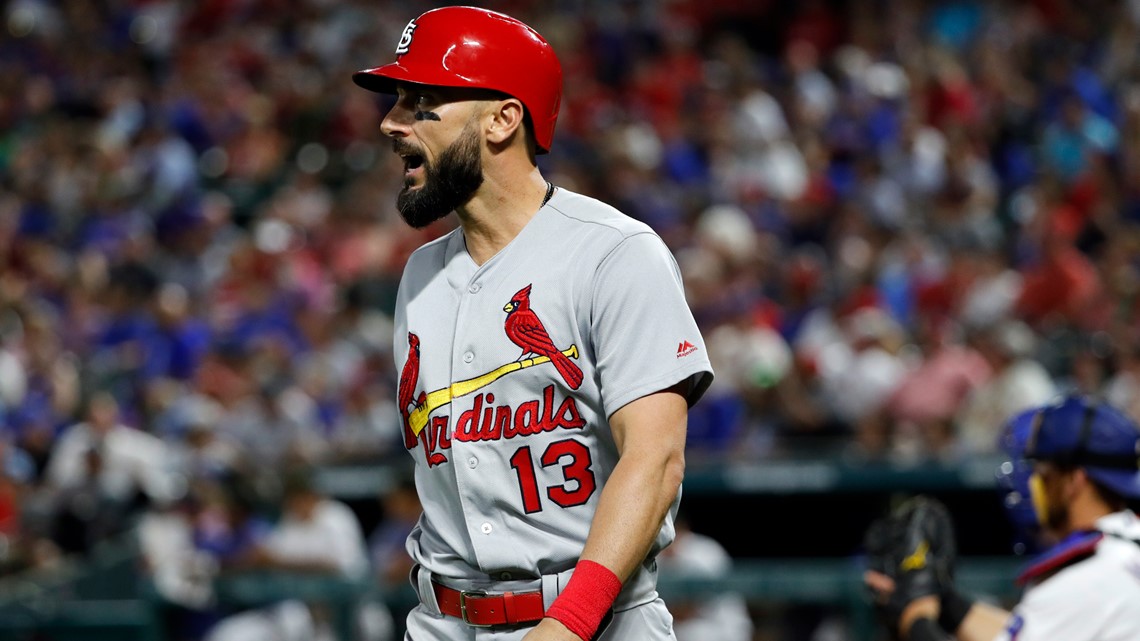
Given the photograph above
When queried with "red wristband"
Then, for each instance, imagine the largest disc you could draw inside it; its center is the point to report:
(588, 596)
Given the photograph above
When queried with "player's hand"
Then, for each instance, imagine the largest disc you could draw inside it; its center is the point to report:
(911, 555)
(883, 587)
(550, 630)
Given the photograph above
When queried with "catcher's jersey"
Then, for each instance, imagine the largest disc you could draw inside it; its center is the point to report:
(1095, 599)
(509, 371)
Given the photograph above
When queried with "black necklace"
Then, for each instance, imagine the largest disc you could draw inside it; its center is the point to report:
(549, 193)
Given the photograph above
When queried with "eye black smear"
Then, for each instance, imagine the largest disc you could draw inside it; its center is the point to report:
(427, 115)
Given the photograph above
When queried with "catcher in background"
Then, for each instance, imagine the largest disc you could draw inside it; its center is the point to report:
(1074, 467)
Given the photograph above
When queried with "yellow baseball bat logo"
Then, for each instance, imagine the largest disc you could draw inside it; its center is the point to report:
(419, 417)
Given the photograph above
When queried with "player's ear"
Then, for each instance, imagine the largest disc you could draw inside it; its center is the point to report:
(1079, 478)
(506, 120)
(1074, 484)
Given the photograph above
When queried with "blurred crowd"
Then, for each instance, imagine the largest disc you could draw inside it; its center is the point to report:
(898, 222)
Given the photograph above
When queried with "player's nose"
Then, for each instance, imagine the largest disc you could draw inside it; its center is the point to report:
(397, 121)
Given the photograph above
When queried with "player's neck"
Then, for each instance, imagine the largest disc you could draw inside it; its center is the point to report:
(499, 211)
(1085, 511)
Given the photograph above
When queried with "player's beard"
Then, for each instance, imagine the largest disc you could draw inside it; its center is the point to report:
(1047, 491)
(1056, 512)
(449, 182)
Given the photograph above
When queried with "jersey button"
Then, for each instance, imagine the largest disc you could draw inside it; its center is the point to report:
(468, 357)
(472, 462)
(505, 576)
(474, 288)
(485, 528)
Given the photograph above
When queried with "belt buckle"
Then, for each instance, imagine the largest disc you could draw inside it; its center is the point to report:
(463, 596)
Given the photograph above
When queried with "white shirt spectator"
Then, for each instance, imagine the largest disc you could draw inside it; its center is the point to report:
(723, 616)
(331, 534)
(131, 460)
(1021, 385)
(313, 531)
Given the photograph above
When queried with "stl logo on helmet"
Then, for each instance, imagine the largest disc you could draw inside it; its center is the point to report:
(406, 38)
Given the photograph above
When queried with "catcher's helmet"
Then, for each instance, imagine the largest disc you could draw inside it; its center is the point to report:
(1013, 480)
(477, 48)
(1078, 430)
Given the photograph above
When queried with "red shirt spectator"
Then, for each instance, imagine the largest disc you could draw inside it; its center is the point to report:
(1062, 285)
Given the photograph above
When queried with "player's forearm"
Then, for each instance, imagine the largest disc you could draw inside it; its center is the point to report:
(650, 433)
(983, 622)
(631, 509)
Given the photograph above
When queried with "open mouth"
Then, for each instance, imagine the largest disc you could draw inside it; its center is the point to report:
(413, 162)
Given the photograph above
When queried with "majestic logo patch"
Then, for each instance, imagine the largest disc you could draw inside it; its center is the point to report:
(406, 38)
(684, 348)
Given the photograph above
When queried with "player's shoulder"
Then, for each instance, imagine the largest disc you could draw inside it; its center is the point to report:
(423, 264)
(1120, 545)
(1120, 525)
(1091, 585)
(581, 214)
(1066, 554)
(1108, 566)
(1121, 551)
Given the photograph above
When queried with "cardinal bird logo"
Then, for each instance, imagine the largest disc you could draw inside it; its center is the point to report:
(406, 394)
(525, 329)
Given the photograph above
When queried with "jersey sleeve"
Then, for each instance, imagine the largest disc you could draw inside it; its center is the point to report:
(644, 336)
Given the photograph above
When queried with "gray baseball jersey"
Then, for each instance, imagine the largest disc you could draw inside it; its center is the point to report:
(509, 372)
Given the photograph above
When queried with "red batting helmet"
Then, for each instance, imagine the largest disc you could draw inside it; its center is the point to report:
(479, 48)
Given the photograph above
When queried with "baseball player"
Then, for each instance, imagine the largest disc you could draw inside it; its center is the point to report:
(547, 355)
(1074, 466)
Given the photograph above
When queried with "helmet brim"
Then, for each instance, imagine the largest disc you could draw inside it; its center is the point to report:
(380, 79)
(384, 79)
(1124, 482)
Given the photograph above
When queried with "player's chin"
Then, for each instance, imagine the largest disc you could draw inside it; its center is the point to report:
(418, 211)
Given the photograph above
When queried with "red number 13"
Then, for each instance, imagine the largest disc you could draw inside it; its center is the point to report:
(577, 473)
